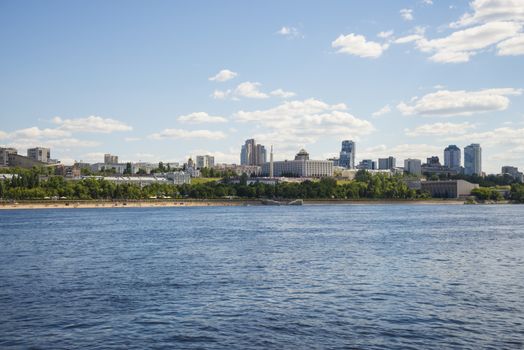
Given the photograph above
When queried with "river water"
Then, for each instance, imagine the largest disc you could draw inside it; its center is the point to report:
(310, 277)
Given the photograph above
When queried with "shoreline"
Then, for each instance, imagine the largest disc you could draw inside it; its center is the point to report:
(93, 204)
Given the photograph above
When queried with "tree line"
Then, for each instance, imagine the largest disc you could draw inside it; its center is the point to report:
(29, 184)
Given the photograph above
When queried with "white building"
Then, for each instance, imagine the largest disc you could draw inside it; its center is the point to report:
(179, 177)
(119, 168)
(205, 161)
(251, 170)
(302, 166)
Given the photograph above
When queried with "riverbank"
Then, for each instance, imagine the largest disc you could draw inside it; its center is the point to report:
(79, 204)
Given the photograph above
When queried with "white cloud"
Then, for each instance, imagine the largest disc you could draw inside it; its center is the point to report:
(231, 157)
(401, 152)
(462, 44)
(92, 123)
(295, 123)
(385, 34)
(282, 93)
(188, 134)
(250, 90)
(511, 47)
(492, 10)
(439, 129)
(384, 110)
(406, 14)
(223, 75)
(201, 117)
(357, 45)
(221, 94)
(456, 103)
(3, 135)
(70, 143)
(408, 39)
(289, 32)
(499, 136)
(427, 2)
(490, 23)
(37, 133)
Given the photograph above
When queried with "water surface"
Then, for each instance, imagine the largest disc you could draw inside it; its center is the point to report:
(311, 277)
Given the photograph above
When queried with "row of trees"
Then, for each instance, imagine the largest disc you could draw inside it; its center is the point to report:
(27, 185)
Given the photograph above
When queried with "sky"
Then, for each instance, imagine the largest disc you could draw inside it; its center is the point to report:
(164, 80)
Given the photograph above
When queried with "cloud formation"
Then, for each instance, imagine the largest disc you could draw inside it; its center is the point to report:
(289, 32)
(384, 110)
(201, 117)
(304, 122)
(357, 45)
(175, 134)
(406, 14)
(281, 93)
(458, 103)
(491, 24)
(93, 124)
(440, 129)
(223, 75)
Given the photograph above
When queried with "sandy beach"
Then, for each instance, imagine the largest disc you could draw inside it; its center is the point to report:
(78, 204)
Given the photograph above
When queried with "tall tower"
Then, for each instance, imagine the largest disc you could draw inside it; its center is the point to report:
(271, 163)
(347, 154)
(473, 159)
(452, 157)
(252, 153)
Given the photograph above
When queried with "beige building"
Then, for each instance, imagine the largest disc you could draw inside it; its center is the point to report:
(448, 189)
(110, 159)
(40, 154)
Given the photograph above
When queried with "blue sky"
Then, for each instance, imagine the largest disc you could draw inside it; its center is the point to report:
(135, 78)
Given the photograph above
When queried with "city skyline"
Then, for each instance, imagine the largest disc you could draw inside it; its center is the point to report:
(402, 81)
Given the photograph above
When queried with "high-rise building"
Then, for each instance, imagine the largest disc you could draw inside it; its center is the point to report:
(206, 161)
(513, 172)
(387, 163)
(452, 157)
(40, 154)
(271, 164)
(110, 159)
(347, 155)
(252, 153)
(367, 164)
(4, 155)
(473, 159)
(413, 166)
(433, 161)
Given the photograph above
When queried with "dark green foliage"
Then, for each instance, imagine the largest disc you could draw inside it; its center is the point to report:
(27, 185)
(485, 193)
(517, 193)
